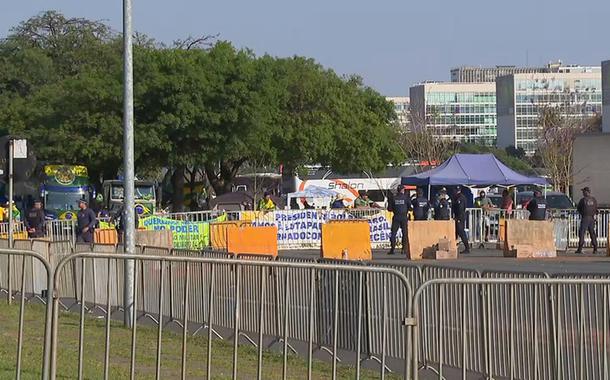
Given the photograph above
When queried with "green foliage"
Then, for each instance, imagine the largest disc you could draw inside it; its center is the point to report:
(216, 108)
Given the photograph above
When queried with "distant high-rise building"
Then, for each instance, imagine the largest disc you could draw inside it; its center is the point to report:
(576, 92)
(606, 96)
(472, 74)
(401, 107)
(462, 112)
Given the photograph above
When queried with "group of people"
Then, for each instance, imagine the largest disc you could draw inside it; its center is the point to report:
(86, 221)
(402, 205)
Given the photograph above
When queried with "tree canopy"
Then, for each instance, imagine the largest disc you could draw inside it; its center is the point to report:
(208, 105)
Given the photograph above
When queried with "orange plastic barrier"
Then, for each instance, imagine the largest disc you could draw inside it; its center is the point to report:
(105, 236)
(218, 232)
(346, 240)
(255, 240)
(424, 236)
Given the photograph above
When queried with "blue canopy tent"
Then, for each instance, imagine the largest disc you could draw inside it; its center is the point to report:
(472, 170)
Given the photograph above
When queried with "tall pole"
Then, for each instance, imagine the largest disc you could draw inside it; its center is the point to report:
(11, 157)
(128, 164)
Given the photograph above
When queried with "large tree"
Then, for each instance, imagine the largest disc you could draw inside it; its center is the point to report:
(197, 105)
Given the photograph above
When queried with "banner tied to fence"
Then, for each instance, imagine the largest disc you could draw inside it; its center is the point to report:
(306, 226)
(186, 234)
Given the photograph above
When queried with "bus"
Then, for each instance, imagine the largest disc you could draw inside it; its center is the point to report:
(378, 186)
(63, 187)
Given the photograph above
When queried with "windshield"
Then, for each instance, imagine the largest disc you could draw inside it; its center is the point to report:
(63, 201)
(142, 192)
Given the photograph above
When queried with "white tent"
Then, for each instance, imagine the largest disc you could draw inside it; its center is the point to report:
(313, 192)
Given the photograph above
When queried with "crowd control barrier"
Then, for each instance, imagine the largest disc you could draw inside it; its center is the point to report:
(346, 239)
(459, 323)
(302, 229)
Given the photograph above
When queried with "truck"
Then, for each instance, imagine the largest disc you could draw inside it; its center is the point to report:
(62, 188)
(145, 196)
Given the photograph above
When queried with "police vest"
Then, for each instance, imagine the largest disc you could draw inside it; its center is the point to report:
(539, 211)
(420, 209)
(441, 210)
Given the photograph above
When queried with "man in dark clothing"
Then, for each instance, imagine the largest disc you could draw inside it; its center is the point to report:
(441, 207)
(537, 206)
(459, 213)
(400, 206)
(587, 208)
(420, 206)
(120, 218)
(35, 220)
(85, 223)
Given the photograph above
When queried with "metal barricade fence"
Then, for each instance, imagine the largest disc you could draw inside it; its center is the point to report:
(535, 328)
(15, 268)
(231, 296)
(61, 230)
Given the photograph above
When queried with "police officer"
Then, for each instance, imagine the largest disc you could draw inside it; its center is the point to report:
(459, 213)
(400, 206)
(537, 206)
(441, 207)
(120, 218)
(587, 208)
(85, 223)
(35, 220)
(420, 206)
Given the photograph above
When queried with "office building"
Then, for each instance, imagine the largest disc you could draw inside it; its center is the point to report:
(401, 107)
(470, 74)
(462, 112)
(606, 96)
(521, 98)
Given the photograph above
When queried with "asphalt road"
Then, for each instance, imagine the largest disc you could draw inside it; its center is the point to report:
(493, 260)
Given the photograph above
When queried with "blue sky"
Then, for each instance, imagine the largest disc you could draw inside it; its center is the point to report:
(392, 44)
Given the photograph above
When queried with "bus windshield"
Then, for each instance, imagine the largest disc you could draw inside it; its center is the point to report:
(63, 201)
(142, 192)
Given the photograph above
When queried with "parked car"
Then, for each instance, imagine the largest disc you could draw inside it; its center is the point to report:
(554, 200)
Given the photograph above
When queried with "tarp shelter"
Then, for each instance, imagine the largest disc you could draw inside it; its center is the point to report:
(472, 170)
(313, 192)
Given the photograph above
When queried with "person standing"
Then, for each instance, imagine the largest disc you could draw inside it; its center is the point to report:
(459, 213)
(420, 206)
(537, 206)
(266, 203)
(507, 202)
(363, 201)
(120, 219)
(587, 208)
(35, 220)
(85, 223)
(400, 206)
(441, 207)
(484, 203)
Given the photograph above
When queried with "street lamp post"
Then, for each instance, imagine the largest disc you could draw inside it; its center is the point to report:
(128, 164)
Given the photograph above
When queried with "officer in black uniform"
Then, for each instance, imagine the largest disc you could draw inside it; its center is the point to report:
(537, 206)
(420, 206)
(85, 223)
(35, 220)
(400, 206)
(441, 207)
(120, 218)
(587, 208)
(459, 213)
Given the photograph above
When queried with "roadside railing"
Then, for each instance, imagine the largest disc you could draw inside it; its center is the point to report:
(460, 322)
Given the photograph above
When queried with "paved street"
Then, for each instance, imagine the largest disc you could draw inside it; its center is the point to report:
(493, 260)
